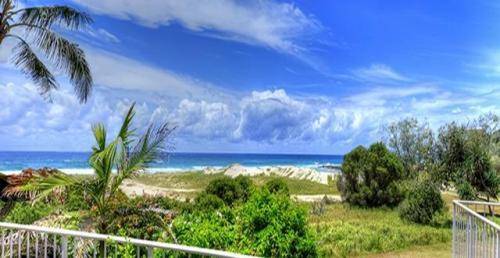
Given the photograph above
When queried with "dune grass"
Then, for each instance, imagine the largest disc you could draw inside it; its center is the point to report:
(199, 180)
(345, 231)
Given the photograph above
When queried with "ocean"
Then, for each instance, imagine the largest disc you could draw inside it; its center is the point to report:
(78, 161)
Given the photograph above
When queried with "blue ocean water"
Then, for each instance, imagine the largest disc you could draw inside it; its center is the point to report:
(11, 161)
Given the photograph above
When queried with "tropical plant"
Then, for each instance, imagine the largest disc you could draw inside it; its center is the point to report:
(34, 27)
(113, 162)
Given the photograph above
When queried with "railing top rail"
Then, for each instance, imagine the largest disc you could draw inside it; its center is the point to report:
(475, 214)
(125, 240)
(479, 202)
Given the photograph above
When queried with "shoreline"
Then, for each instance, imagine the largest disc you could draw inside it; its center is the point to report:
(318, 168)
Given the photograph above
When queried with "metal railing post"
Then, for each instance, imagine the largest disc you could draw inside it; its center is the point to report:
(64, 247)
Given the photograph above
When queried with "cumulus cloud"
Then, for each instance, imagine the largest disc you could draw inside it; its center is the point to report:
(272, 116)
(267, 118)
(272, 24)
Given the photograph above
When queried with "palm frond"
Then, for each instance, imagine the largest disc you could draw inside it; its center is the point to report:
(146, 150)
(43, 185)
(100, 137)
(125, 132)
(47, 16)
(68, 57)
(32, 66)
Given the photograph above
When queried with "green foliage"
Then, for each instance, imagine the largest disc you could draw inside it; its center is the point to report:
(142, 217)
(230, 190)
(26, 213)
(208, 202)
(466, 159)
(76, 199)
(423, 204)
(272, 225)
(207, 229)
(277, 186)
(371, 177)
(267, 224)
(413, 143)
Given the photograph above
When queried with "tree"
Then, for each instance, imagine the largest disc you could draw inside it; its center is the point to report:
(122, 158)
(33, 27)
(413, 142)
(465, 155)
(371, 177)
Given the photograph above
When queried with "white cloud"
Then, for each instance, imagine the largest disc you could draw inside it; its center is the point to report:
(119, 72)
(272, 24)
(102, 34)
(265, 120)
(378, 73)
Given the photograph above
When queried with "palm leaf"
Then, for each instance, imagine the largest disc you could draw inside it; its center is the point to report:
(125, 132)
(66, 56)
(43, 186)
(146, 150)
(47, 16)
(32, 66)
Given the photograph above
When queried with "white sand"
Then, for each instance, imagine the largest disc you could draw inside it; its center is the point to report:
(283, 171)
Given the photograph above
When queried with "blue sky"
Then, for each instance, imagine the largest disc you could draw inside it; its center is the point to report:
(265, 76)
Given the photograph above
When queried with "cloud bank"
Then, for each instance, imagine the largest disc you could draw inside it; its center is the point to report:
(272, 24)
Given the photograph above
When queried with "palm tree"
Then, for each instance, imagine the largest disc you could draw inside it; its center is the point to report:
(122, 158)
(35, 25)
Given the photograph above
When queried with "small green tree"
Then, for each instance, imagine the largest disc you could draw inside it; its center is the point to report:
(371, 177)
(465, 155)
(113, 162)
(413, 142)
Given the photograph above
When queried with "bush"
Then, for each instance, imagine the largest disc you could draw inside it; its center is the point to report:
(423, 204)
(26, 213)
(230, 190)
(371, 177)
(209, 229)
(272, 225)
(208, 202)
(277, 186)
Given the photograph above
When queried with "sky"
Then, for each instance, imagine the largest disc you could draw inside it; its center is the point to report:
(268, 76)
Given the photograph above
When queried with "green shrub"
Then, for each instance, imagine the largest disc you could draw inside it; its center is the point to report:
(273, 225)
(230, 190)
(277, 186)
(423, 203)
(207, 202)
(76, 199)
(26, 213)
(371, 177)
(209, 229)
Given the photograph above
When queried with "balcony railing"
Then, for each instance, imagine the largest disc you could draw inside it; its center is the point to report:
(475, 234)
(34, 241)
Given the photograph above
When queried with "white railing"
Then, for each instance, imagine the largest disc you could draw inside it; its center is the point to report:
(34, 241)
(474, 232)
